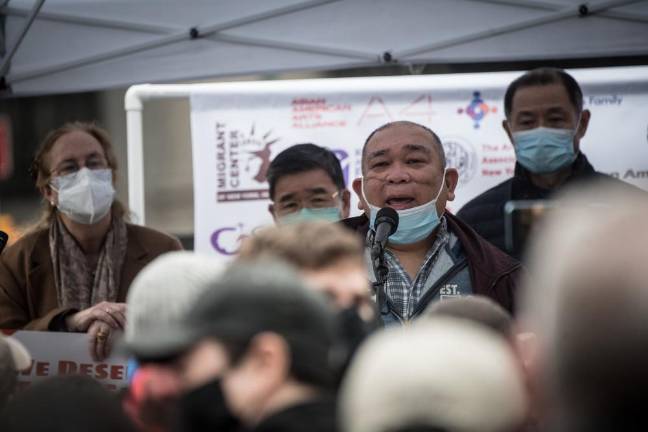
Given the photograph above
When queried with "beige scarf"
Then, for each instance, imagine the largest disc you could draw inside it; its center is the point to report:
(77, 285)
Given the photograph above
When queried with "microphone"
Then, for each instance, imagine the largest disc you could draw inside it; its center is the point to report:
(385, 225)
(4, 237)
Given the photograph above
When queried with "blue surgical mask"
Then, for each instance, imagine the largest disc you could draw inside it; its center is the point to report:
(328, 214)
(414, 224)
(544, 150)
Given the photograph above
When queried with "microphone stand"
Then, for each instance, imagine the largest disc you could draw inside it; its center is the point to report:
(380, 271)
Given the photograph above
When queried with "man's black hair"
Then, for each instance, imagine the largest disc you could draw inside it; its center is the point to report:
(301, 366)
(301, 158)
(437, 140)
(542, 77)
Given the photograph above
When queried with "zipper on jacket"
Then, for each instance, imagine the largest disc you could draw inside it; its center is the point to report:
(423, 303)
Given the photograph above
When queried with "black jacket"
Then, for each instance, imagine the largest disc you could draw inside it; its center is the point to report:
(485, 213)
(493, 273)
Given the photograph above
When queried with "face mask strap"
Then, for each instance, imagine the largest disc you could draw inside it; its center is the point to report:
(443, 182)
(578, 122)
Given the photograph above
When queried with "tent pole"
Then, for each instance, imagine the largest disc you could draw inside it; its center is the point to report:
(135, 154)
(134, 105)
(30, 20)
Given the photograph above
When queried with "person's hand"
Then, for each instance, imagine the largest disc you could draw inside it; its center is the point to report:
(112, 314)
(100, 338)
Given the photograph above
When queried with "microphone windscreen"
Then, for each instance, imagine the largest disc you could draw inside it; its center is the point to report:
(389, 215)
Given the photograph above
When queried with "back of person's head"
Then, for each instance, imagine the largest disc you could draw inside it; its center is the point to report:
(14, 357)
(160, 297)
(307, 246)
(443, 374)
(266, 296)
(301, 158)
(475, 308)
(587, 302)
(65, 403)
(542, 77)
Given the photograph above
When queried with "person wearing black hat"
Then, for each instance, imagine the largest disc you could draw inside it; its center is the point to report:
(257, 352)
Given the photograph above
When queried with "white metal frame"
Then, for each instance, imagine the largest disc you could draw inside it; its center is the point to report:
(134, 105)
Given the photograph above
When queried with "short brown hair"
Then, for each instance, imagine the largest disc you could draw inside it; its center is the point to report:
(40, 169)
(307, 246)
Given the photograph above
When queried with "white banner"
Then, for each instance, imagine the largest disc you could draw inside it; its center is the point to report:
(56, 353)
(238, 128)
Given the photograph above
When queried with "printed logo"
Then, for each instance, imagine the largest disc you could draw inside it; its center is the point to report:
(420, 107)
(604, 100)
(449, 291)
(376, 109)
(319, 112)
(242, 161)
(461, 155)
(477, 109)
(343, 157)
(227, 240)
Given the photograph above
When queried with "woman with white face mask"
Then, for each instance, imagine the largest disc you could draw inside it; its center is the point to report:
(72, 272)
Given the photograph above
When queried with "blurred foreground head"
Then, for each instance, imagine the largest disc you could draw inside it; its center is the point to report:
(14, 357)
(441, 374)
(476, 308)
(328, 256)
(158, 301)
(258, 341)
(587, 302)
(70, 403)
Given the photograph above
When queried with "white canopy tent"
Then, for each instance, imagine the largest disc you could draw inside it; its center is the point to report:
(58, 46)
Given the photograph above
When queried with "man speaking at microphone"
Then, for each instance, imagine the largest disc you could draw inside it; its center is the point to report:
(432, 255)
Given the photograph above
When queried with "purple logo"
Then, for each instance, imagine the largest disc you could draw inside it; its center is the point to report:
(226, 240)
(342, 156)
(477, 109)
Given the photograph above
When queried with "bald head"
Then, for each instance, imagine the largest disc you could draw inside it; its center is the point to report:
(434, 140)
(479, 309)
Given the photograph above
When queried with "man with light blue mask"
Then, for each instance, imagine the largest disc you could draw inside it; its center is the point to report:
(306, 183)
(545, 122)
(432, 255)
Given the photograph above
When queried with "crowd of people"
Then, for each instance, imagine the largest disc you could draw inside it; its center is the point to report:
(302, 331)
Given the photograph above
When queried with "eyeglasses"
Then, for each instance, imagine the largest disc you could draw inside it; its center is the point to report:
(316, 200)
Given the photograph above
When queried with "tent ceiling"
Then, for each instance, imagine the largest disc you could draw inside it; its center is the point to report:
(96, 44)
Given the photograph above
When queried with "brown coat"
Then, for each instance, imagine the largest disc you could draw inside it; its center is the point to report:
(27, 289)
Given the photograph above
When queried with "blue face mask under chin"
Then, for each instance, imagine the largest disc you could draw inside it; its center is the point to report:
(544, 150)
(414, 224)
